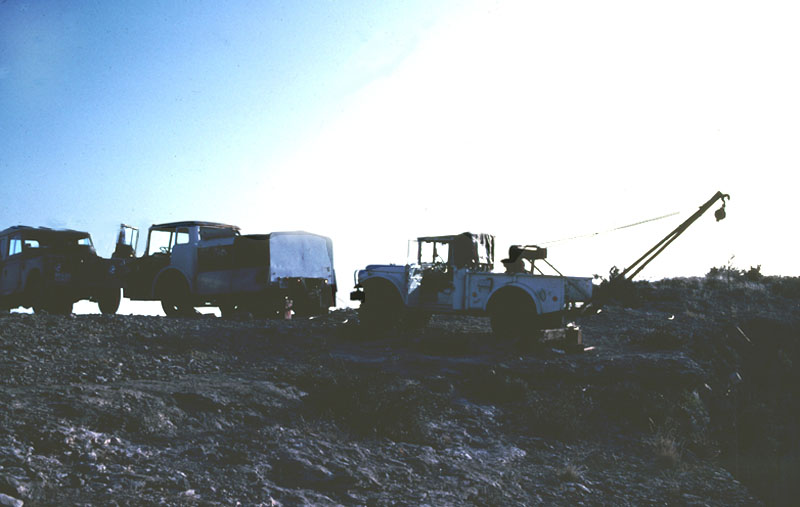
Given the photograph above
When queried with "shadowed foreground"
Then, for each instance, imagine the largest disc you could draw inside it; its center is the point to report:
(686, 390)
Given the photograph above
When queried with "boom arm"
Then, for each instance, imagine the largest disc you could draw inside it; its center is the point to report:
(659, 247)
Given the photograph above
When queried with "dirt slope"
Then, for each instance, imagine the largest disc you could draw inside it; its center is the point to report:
(129, 410)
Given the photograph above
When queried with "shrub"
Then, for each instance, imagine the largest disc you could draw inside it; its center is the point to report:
(571, 473)
(753, 274)
(667, 451)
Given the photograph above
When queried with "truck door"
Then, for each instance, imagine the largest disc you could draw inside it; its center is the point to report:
(436, 289)
(127, 241)
(141, 272)
(183, 255)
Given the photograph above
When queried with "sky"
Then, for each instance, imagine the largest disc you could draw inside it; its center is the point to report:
(376, 122)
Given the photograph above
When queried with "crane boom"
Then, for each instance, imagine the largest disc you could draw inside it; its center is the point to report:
(634, 269)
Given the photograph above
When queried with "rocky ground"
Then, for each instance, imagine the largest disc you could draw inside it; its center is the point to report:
(689, 397)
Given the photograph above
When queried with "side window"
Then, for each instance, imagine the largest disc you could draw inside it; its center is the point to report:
(182, 236)
(31, 243)
(14, 246)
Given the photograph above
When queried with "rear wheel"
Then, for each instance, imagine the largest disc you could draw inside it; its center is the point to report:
(513, 315)
(228, 310)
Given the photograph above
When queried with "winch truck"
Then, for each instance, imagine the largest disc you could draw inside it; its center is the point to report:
(454, 274)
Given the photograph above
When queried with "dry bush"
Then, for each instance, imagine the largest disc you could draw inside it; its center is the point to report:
(666, 449)
(571, 473)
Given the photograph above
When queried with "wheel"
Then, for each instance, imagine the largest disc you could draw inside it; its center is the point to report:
(381, 308)
(175, 299)
(228, 310)
(176, 309)
(109, 301)
(34, 292)
(513, 315)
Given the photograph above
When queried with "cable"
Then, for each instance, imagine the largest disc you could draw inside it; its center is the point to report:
(611, 230)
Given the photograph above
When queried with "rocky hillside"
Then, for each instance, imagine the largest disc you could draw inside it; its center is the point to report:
(690, 396)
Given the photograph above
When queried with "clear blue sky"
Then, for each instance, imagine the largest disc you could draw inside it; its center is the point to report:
(128, 109)
(374, 122)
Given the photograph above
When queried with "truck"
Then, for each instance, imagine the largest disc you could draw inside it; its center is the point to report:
(454, 274)
(50, 269)
(193, 263)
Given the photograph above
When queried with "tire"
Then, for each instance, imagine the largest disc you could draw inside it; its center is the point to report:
(109, 300)
(175, 298)
(229, 310)
(513, 315)
(34, 293)
(37, 298)
(381, 308)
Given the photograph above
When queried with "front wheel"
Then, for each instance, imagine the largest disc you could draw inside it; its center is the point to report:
(381, 308)
(175, 300)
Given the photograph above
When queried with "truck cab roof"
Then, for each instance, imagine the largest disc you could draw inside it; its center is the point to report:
(452, 237)
(44, 232)
(193, 223)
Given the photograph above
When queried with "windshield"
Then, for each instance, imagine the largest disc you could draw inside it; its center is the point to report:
(429, 252)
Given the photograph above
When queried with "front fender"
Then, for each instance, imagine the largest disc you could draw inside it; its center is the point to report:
(170, 271)
(394, 274)
(381, 278)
